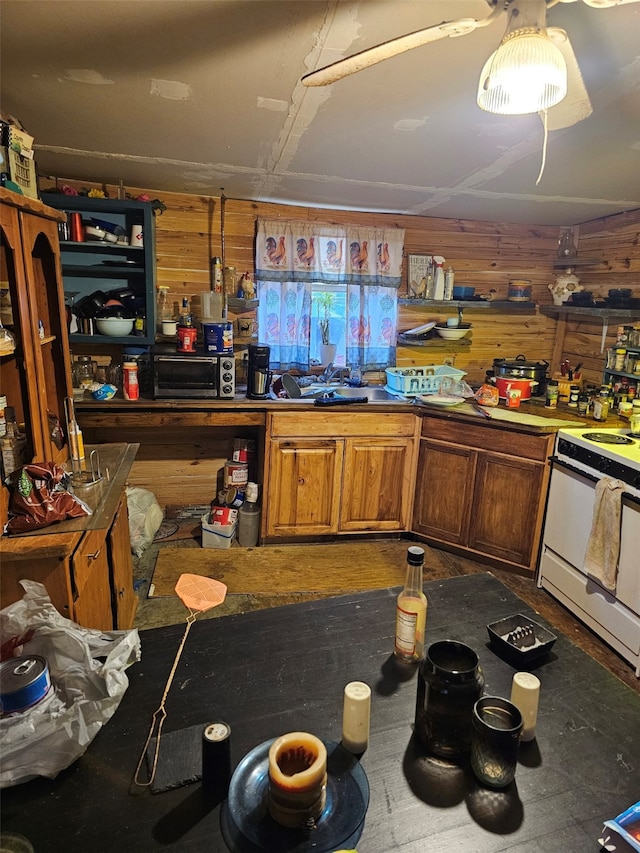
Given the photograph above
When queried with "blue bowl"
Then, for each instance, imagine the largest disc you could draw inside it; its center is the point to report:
(463, 292)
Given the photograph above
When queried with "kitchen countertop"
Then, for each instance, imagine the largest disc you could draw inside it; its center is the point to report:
(242, 411)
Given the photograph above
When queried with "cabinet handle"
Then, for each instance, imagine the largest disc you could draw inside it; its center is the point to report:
(95, 555)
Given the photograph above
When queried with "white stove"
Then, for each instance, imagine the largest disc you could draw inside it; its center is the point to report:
(582, 458)
(614, 452)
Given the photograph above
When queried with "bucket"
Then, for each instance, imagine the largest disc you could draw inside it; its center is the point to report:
(218, 337)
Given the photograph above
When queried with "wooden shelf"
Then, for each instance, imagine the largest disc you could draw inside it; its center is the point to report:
(481, 304)
(593, 312)
(435, 343)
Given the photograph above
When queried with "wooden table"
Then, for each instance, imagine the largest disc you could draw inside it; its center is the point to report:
(273, 671)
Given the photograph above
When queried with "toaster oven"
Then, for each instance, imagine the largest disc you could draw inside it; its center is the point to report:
(196, 375)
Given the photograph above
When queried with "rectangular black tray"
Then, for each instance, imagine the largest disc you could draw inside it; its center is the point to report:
(504, 635)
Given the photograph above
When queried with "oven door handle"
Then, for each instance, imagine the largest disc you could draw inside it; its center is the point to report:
(560, 463)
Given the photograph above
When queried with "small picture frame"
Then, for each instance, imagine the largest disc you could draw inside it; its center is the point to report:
(418, 267)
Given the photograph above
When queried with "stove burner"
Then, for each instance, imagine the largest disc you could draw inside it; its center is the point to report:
(607, 438)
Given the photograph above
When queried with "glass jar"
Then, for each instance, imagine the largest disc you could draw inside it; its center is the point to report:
(621, 355)
(601, 406)
(450, 682)
(551, 394)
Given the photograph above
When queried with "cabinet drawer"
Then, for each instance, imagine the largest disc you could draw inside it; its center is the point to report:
(521, 444)
(315, 424)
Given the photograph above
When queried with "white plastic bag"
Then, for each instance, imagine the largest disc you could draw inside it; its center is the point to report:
(87, 674)
(145, 518)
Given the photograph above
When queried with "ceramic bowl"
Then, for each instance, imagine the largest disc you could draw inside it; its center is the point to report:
(450, 333)
(115, 327)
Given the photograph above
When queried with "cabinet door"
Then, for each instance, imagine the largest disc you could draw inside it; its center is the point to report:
(505, 518)
(444, 490)
(125, 601)
(46, 310)
(92, 590)
(19, 383)
(304, 487)
(376, 485)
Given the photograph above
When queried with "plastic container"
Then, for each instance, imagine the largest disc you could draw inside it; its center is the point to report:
(130, 386)
(420, 380)
(217, 535)
(249, 518)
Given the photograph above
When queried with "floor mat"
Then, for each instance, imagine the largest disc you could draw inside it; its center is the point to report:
(171, 530)
(275, 570)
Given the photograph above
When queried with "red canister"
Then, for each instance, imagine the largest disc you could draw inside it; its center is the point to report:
(186, 339)
(77, 228)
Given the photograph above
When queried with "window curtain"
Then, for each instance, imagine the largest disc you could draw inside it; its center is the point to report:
(294, 258)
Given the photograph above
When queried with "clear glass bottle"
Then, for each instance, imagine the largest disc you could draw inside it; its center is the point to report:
(601, 405)
(186, 317)
(411, 611)
(163, 309)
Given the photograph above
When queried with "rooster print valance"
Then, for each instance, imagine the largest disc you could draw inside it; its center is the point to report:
(306, 251)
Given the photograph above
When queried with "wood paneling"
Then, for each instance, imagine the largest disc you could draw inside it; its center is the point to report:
(484, 255)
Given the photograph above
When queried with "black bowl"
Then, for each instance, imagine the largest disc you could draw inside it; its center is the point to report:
(118, 311)
(585, 297)
(520, 639)
(620, 293)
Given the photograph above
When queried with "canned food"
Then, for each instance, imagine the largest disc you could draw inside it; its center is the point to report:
(234, 497)
(235, 473)
(24, 681)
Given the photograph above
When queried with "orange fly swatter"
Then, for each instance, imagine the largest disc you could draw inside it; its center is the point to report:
(197, 594)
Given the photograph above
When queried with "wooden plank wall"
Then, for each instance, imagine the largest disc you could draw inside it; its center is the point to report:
(484, 254)
(615, 243)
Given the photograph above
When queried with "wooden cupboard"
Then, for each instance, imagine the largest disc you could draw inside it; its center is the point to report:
(85, 564)
(338, 473)
(482, 490)
(36, 376)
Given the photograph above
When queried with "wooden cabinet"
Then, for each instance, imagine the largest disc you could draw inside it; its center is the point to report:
(482, 489)
(338, 473)
(124, 600)
(36, 375)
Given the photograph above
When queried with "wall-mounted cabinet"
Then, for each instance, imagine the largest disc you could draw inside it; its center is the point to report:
(92, 266)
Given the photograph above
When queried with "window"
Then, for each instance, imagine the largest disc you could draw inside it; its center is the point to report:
(313, 278)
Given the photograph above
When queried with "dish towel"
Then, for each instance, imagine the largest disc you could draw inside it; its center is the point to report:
(603, 548)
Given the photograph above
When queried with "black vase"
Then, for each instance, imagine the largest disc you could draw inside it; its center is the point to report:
(450, 682)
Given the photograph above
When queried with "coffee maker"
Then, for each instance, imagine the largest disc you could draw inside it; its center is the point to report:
(258, 373)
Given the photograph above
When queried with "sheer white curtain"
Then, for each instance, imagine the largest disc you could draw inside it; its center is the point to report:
(294, 261)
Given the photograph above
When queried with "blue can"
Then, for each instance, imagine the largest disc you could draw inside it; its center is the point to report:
(218, 337)
(24, 681)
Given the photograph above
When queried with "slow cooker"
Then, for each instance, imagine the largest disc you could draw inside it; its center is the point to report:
(519, 367)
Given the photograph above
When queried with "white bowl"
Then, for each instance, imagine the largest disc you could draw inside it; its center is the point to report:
(115, 327)
(452, 334)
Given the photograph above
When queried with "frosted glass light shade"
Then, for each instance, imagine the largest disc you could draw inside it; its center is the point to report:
(526, 74)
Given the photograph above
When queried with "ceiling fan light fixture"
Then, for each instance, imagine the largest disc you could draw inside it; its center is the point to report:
(526, 74)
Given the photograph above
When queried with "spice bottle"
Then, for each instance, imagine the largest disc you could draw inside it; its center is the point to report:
(411, 610)
(130, 385)
(601, 405)
(551, 394)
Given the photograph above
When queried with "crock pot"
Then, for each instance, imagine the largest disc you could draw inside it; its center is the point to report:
(515, 383)
(520, 367)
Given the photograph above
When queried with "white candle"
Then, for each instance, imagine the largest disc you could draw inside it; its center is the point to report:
(297, 779)
(355, 716)
(525, 694)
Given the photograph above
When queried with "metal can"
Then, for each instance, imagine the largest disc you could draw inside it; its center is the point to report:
(235, 473)
(234, 497)
(24, 681)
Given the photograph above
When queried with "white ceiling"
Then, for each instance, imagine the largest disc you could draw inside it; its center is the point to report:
(198, 95)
